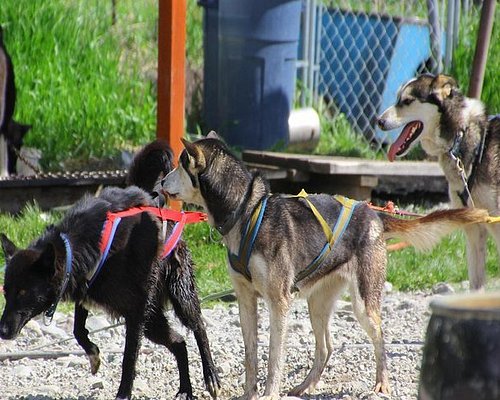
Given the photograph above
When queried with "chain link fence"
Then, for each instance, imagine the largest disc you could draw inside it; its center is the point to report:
(356, 54)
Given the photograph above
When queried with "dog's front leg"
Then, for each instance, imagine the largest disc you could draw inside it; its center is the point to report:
(134, 327)
(476, 236)
(82, 337)
(278, 311)
(247, 302)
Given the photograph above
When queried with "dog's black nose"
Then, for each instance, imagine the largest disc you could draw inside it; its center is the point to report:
(381, 123)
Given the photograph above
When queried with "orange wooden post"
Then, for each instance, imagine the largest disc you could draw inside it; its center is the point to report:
(171, 72)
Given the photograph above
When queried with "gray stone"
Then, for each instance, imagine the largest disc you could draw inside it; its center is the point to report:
(442, 288)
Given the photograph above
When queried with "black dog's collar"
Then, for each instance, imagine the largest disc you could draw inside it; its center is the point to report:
(49, 314)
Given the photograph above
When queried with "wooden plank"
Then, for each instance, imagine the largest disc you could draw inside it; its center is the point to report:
(171, 72)
(343, 165)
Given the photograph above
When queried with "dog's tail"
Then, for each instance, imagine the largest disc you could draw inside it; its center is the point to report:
(424, 233)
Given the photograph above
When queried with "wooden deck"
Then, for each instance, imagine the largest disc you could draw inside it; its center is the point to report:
(355, 177)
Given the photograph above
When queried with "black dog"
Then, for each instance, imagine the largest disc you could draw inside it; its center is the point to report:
(12, 131)
(134, 282)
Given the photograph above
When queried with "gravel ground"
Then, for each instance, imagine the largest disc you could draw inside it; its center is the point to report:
(350, 373)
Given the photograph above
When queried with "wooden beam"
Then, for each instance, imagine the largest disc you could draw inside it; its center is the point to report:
(171, 72)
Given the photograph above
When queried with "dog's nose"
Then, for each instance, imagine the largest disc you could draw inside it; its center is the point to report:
(381, 123)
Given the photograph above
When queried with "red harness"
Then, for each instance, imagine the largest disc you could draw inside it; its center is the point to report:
(113, 220)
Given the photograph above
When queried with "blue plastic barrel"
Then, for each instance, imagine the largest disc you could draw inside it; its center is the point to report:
(258, 48)
(210, 63)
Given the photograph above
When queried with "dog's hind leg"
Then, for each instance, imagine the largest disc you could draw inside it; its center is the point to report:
(476, 236)
(134, 327)
(366, 297)
(247, 304)
(82, 337)
(184, 299)
(321, 303)
(158, 330)
(279, 305)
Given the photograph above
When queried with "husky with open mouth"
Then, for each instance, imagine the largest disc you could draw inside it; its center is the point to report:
(455, 129)
(311, 246)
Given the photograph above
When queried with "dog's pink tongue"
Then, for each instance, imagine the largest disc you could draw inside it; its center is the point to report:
(396, 146)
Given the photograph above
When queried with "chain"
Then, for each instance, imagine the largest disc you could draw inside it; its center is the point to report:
(461, 171)
(26, 161)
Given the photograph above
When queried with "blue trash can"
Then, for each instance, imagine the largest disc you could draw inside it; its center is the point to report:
(258, 49)
(210, 63)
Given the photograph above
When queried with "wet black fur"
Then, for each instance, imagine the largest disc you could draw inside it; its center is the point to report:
(132, 284)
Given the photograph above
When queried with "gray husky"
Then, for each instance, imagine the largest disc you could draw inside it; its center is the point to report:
(456, 130)
(279, 248)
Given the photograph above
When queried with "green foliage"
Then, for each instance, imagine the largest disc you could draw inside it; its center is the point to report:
(338, 139)
(410, 270)
(82, 82)
(209, 255)
(464, 55)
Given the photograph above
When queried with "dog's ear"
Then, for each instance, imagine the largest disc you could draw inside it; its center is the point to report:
(196, 157)
(443, 86)
(213, 135)
(8, 247)
(47, 260)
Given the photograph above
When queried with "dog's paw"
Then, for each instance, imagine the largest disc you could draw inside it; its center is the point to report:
(212, 383)
(248, 396)
(307, 386)
(184, 396)
(95, 363)
(383, 387)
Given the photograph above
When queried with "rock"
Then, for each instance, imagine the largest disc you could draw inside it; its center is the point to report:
(54, 331)
(22, 371)
(97, 384)
(442, 288)
(34, 327)
(97, 322)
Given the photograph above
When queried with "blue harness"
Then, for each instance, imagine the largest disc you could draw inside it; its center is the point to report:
(239, 262)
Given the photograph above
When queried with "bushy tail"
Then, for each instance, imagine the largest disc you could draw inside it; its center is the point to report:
(425, 232)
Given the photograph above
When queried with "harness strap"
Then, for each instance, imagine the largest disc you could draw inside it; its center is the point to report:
(324, 225)
(49, 314)
(114, 218)
(240, 261)
(348, 206)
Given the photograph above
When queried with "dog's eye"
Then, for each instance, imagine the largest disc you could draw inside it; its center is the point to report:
(21, 293)
(406, 102)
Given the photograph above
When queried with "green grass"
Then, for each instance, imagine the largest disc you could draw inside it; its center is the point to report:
(411, 270)
(88, 87)
(464, 55)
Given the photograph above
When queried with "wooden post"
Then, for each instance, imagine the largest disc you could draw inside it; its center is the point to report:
(171, 72)
(482, 45)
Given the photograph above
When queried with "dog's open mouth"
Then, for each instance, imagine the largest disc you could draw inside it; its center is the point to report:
(408, 135)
